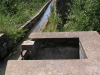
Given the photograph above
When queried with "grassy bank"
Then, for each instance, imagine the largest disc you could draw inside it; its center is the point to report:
(15, 13)
(84, 15)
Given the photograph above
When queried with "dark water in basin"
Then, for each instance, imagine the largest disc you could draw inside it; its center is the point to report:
(52, 49)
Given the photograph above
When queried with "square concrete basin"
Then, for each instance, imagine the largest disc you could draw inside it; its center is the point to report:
(56, 48)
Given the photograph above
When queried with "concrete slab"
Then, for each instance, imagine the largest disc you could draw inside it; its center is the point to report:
(53, 67)
(90, 42)
(28, 42)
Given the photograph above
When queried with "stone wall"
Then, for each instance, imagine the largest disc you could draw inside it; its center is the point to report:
(3, 45)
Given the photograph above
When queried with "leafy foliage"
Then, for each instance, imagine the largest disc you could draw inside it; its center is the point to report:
(14, 13)
(84, 16)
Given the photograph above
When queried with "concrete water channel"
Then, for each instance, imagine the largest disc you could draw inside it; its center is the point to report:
(35, 28)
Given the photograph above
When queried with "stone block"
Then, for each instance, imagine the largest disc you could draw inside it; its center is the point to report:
(28, 45)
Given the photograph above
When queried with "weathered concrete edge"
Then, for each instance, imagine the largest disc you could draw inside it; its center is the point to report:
(38, 35)
(33, 19)
(53, 67)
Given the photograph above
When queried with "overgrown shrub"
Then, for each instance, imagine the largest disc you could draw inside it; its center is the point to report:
(14, 13)
(84, 16)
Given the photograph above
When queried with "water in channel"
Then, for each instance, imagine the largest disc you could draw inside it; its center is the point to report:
(16, 54)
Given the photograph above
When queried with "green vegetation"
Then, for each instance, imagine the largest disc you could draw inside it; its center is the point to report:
(84, 15)
(14, 13)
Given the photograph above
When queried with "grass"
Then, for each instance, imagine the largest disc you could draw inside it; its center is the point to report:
(14, 14)
(84, 15)
(53, 20)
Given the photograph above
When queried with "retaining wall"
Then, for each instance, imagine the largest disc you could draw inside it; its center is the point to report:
(3, 45)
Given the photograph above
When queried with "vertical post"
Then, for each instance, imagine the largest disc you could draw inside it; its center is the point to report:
(30, 47)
